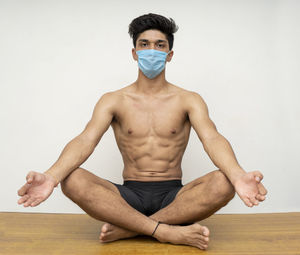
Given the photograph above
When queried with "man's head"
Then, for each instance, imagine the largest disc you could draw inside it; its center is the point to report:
(153, 21)
(153, 33)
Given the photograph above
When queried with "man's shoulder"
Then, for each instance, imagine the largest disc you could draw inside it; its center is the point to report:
(189, 96)
(191, 99)
(114, 96)
(109, 100)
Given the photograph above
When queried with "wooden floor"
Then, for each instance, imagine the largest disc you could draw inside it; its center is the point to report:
(43, 234)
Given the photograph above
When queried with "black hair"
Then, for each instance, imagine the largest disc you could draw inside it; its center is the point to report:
(153, 21)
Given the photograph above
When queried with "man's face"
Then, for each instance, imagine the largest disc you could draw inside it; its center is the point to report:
(152, 39)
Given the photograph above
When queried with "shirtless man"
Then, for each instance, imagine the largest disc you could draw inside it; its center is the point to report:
(151, 119)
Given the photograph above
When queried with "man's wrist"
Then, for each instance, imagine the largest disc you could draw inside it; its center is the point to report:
(235, 174)
(54, 179)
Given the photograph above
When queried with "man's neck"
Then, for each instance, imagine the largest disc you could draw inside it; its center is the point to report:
(150, 87)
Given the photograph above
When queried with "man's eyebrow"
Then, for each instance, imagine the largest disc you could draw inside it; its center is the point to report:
(146, 40)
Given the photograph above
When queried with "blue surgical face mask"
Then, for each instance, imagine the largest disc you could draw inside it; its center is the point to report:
(151, 62)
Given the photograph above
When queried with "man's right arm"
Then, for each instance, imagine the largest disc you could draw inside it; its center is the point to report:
(78, 150)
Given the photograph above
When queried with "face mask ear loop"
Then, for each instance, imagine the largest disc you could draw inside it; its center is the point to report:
(167, 56)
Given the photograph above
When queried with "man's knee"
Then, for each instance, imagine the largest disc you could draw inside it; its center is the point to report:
(73, 182)
(223, 186)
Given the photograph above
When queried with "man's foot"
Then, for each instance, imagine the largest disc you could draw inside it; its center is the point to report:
(193, 235)
(111, 233)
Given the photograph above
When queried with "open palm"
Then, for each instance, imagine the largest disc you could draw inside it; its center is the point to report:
(38, 188)
(250, 189)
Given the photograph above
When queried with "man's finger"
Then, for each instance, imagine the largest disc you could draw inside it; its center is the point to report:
(30, 177)
(23, 199)
(262, 190)
(253, 200)
(260, 197)
(36, 202)
(258, 176)
(29, 201)
(22, 191)
(247, 202)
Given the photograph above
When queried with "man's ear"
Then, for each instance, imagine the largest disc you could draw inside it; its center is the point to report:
(170, 56)
(134, 55)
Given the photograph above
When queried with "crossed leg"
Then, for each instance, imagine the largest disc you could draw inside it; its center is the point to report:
(195, 201)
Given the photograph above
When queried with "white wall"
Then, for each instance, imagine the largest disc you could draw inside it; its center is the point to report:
(58, 57)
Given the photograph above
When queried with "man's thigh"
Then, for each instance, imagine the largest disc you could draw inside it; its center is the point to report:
(206, 182)
(84, 178)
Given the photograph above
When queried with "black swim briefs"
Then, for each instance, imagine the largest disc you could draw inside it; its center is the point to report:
(149, 197)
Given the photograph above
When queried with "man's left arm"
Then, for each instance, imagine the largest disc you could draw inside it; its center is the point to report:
(247, 185)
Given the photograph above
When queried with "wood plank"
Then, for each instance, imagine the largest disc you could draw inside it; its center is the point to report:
(246, 234)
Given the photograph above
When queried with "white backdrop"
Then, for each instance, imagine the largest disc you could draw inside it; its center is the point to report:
(58, 57)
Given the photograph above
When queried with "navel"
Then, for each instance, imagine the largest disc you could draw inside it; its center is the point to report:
(129, 131)
(173, 131)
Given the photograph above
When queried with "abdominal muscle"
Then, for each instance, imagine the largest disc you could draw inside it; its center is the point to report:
(154, 170)
(151, 174)
(152, 157)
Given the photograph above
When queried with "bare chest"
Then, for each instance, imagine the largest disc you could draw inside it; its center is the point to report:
(157, 117)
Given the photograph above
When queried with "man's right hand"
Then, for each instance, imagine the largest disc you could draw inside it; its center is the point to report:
(38, 188)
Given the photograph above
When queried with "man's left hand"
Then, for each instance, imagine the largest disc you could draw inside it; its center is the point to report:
(250, 189)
